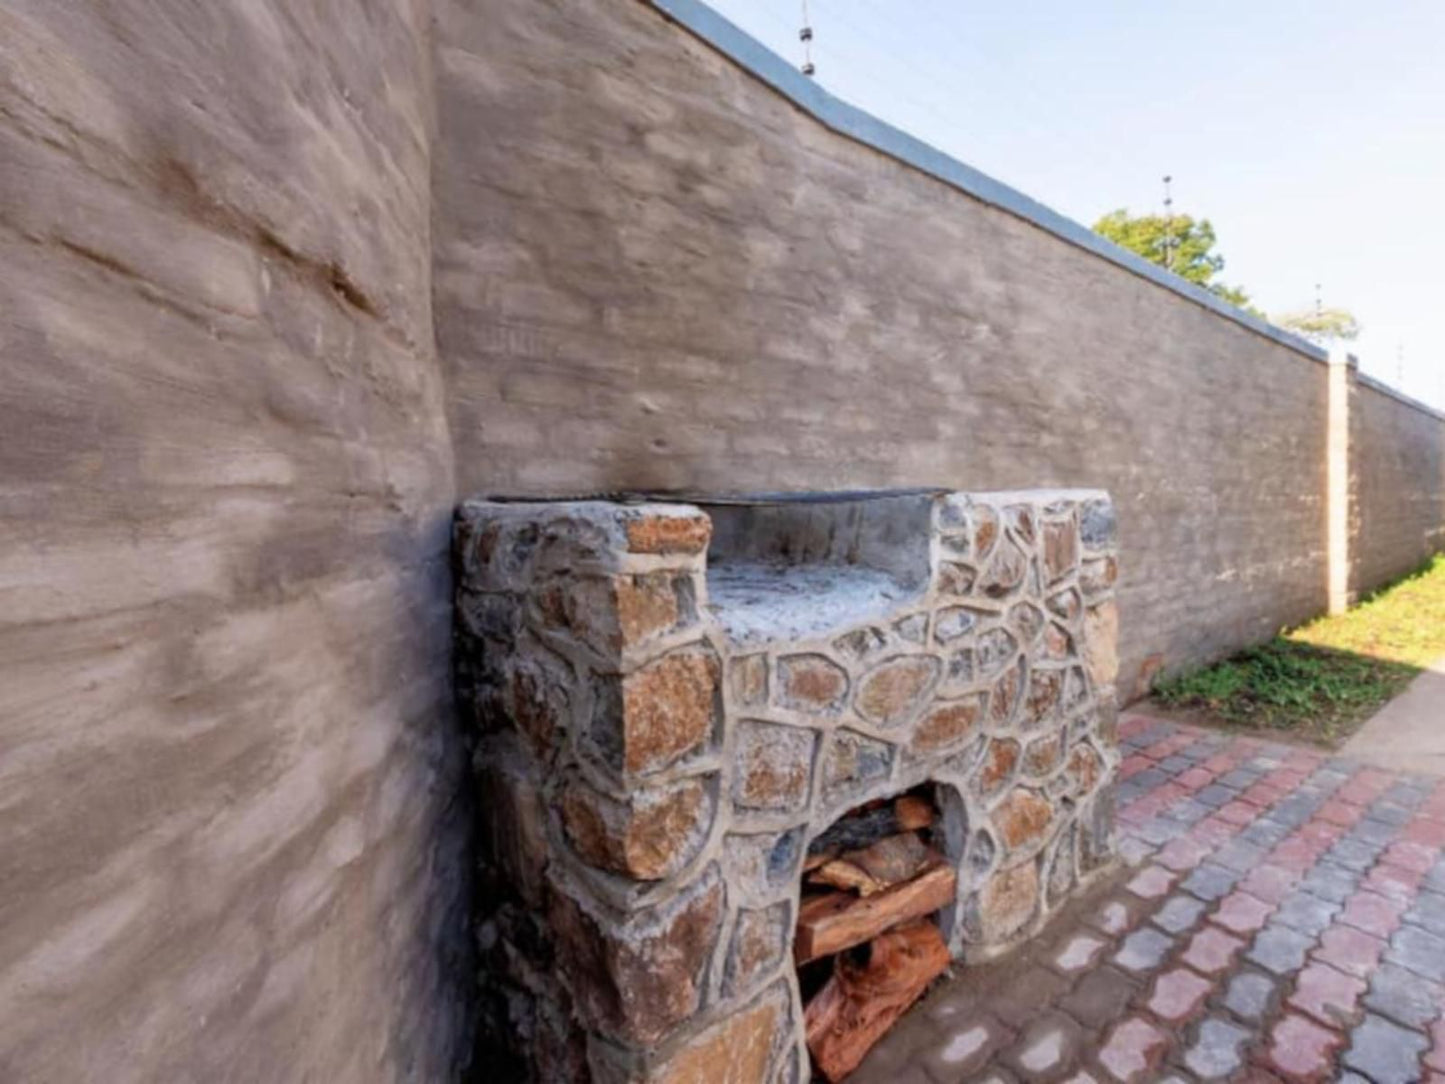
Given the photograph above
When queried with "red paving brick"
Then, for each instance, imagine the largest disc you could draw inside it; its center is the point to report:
(1212, 950)
(1133, 1049)
(1177, 995)
(1395, 881)
(1241, 913)
(1211, 963)
(1373, 913)
(1270, 883)
(1302, 1050)
(1327, 994)
(1351, 950)
(1151, 882)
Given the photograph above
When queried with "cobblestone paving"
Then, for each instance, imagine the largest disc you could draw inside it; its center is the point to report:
(1281, 918)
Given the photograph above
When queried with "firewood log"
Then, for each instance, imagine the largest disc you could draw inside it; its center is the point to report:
(840, 920)
(866, 995)
(892, 859)
(840, 873)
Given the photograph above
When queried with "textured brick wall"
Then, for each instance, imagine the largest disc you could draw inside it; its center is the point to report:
(1397, 486)
(651, 270)
(226, 766)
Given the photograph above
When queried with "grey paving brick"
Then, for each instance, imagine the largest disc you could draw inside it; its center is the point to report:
(1175, 764)
(1149, 778)
(1215, 795)
(1307, 913)
(1240, 778)
(1249, 995)
(1406, 794)
(1179, 913)
(1294, 810)
(1353, 854)
(1210, 882)
(1265, 832)
(1219, 1049)
(1188, 811)
(1376, 832)
(1331, 881)
(1239, 855)
(1418, 950)
(1279, 949)
(1143, 950)
(1384, 1052)
(1389, 812)
(1428, 911)
(1403, 996)
(1435, 878)
(1158, 830)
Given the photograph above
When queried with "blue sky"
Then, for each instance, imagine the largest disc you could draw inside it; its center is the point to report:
(1312, 134)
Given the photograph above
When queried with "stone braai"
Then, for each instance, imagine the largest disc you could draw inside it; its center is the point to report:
(670, 701)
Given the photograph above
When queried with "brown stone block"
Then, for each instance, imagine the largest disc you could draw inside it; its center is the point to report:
(611, 613)
(1026, 620)
(1067, 604)
(659, 713)
(1101, 634)
(648, 837)
(1005, 574)
(1061, 549)
(999, 762)
(672, 533)
(1023, 819)
(1044, 754)
(1046, 689)
(1099, 575)
(946, 724)
(648, 605)
(636, 977)
(854, 759)
(812, 683)
(1058, 644)
(748, 680)
(774, 765)
(893, 690)
(1085, 768)
(1007, 691)
(736, 1050)
(956, 578)
(985, 530)
(530, 693)
(1007, 902)
(759, 943)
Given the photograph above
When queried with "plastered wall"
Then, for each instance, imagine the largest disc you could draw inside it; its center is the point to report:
(231, 843)
(656, 271)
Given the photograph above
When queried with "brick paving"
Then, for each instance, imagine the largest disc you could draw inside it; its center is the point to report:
(1280, 918)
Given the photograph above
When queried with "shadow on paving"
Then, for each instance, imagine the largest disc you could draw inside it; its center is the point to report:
(1278, 915)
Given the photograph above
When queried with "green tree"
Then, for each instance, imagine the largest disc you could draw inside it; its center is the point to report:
(1178, 243)
(1322, 326)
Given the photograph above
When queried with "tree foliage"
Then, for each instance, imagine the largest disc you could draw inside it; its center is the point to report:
(1322, 326)
(1178, 243)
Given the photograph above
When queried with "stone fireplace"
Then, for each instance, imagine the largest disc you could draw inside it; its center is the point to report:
(672, 698)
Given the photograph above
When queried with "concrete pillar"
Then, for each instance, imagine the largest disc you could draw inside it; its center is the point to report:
(1337, 492)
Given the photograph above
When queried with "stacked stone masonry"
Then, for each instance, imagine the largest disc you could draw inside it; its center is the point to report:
(661, 729)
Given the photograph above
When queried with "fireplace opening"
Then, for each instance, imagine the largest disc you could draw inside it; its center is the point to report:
(878, 892)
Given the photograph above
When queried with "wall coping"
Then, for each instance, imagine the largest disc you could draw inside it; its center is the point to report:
(1395, 393)
(753, 56)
